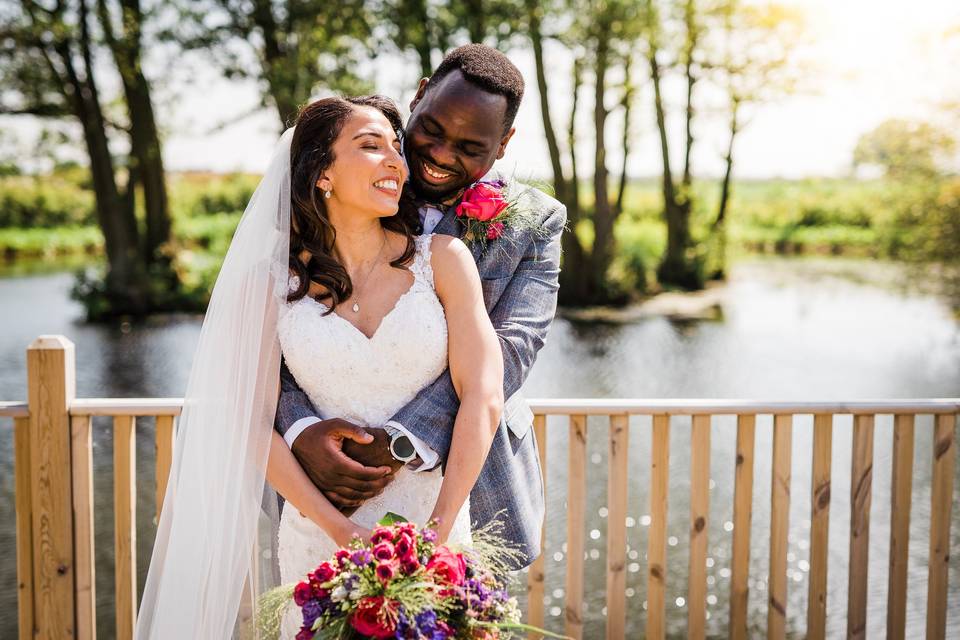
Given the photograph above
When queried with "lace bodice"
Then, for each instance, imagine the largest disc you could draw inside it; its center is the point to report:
(367, 380)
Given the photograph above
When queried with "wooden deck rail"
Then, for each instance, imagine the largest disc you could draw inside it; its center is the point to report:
(54, 504)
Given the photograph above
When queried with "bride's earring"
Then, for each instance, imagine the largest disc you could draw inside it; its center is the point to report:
(327, 194)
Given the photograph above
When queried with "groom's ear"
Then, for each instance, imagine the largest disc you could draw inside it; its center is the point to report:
(504, 141)
(421, 89)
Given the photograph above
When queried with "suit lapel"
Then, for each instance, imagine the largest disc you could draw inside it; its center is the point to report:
(448, 224)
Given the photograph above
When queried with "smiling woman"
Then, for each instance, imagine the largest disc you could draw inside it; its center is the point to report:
(346, 163)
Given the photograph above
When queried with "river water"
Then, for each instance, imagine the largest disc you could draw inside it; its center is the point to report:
(790, 329)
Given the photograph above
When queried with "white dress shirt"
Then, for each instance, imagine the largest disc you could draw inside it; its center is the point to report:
(430, 217)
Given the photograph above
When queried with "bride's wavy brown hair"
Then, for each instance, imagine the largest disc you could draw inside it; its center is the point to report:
(311, 153)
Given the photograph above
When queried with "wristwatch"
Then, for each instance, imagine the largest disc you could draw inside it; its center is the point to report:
(401, 448)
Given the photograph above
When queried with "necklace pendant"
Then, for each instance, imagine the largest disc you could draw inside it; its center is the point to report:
(356, 307)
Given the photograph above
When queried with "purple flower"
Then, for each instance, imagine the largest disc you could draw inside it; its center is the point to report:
(361, 557)
(430, 535)
(311, 611)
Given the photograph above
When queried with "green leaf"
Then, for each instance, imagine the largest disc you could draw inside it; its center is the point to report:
(391, 519)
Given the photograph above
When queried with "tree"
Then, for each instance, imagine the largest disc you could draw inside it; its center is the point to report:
(903, 149)
(600, 35)
(298, 46)
(757, 64)
(49, 70)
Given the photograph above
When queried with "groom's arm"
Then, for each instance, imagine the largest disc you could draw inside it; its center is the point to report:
(521, 318)
(324, 448)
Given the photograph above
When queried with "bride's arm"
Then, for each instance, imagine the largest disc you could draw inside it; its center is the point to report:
(476, 369)
(286, 475)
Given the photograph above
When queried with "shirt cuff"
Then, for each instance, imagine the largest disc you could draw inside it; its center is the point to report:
(428, 455)
(299, 427)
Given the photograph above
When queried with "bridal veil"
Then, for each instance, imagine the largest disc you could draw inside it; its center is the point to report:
(213, 551)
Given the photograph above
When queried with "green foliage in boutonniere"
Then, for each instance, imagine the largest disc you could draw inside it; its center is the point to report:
(489, 208)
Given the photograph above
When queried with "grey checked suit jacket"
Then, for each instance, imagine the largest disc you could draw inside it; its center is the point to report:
(519, 275)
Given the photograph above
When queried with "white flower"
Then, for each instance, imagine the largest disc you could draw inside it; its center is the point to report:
(338, 594)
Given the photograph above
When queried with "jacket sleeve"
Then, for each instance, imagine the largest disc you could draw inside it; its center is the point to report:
(293, 404)
(521, 317)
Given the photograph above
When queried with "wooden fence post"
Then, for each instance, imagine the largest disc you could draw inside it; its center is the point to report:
(51, 370)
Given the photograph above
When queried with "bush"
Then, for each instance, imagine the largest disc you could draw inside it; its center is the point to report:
(31, 202)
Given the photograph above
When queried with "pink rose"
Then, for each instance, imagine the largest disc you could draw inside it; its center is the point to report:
(495, 231)
(385, 571)
(449, 567)
(367, 619)
(381, 534)
(383, 551)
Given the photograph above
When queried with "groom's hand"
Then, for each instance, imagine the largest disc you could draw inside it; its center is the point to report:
(345, 481)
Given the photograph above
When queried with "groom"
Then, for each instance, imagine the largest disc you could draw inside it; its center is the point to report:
(460, 123)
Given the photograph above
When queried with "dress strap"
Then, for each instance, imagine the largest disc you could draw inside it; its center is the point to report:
(421, 266)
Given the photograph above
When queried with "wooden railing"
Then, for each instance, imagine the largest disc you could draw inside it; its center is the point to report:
(54, 505)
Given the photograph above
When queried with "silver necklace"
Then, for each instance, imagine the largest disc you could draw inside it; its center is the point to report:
(376, 261)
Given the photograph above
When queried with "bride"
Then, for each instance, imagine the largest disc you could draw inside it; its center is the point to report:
(324, 270)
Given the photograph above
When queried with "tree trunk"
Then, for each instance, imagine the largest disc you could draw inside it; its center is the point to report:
(603, 215)
(146, 156)
(534, 13)
(126, 282)
(476, 20)
(674, 268)
(719, 231)
(574, 278)
(627, 104)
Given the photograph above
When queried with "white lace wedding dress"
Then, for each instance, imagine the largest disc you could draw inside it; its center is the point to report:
(366, 381)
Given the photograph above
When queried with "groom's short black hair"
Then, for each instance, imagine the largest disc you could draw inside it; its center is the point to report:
(487, 68)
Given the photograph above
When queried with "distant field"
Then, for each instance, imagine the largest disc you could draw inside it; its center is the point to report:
(54, 216)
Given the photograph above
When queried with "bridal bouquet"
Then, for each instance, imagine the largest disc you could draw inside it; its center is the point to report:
(402, 584)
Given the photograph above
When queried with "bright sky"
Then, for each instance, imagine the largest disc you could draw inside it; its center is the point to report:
(876, 58)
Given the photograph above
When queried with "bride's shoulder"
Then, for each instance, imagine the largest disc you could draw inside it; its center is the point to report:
(451, 260)
(444, 248)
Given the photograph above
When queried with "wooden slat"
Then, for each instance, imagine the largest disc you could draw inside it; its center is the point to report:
(164, 442)
(779, 526)
(535, 577)
(85, 583)
(742, 516)
(125, 524)
(576, 505)
(819, 526)
(617, 527)
(901, 487)
(51, 369)
(944, 458)
(21, 469)
(699, 519)
(861, 491)
(657, 536)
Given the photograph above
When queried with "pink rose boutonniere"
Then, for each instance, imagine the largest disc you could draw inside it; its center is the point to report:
(486, 211)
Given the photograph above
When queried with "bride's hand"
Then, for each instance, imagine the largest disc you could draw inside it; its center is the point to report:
(348, 531)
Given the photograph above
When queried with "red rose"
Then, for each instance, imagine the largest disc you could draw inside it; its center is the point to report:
(449, 567)
(342, 556)
(325, 573)
(305, 633)
(410, 566)
(367, 619)
(302, 593)
(482, 202)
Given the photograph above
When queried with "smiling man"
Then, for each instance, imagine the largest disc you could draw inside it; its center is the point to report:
(460, 123)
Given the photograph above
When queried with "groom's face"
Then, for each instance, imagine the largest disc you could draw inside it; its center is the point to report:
(455, 133)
